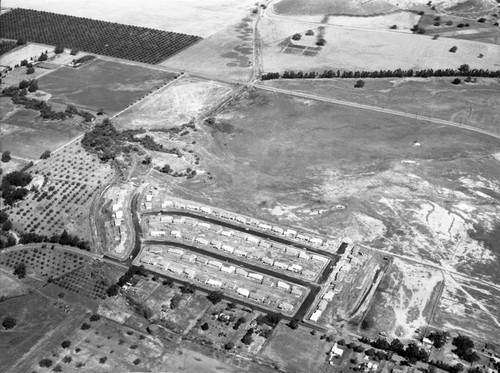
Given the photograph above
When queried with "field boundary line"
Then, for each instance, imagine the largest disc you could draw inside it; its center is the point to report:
(377, 109)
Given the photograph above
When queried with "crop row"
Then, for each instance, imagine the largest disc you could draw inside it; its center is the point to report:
(106, 38)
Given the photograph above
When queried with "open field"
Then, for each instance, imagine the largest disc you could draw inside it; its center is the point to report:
(27, 135)
(174, 105)
(358, 49)
(111, 39)
(474, 104)
(27, 51)
(227, 54)
(102, 84)
(340, 7)
(186, 16)
(71, 178)
(296, 350)
(285, 157)
(10, 287)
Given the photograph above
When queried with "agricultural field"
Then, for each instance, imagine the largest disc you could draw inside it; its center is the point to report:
(43, 262)
(472, 104)
(184, 16)
(110, 39)
(109, 85)
(27, 51)
(227, 54)
(177, 104)
(398, 196)
(296, 350)
(70, 180)
(337, 7)
(359, 49)
(10, 287)
(27, 135)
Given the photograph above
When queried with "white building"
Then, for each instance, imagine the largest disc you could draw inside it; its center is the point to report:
(240, 253)
(175, 270)
(119, 214)
(241, 219)
(317, 241)
(226, 233)
(322, 305)
(286, 306)
(256, 276)
(156, 250)
(267, 260)
(295, 268)
(214, 283)
(290, 233)
(280, 265)
(206, 210)
(176, 234)
(265, 227)
(204, 225)
(175, 251)
(278, 230)
(253, 239)
(201, 241)
(190, 272)
(166, 219)
(315, 316)
(215, 263)
(189, 257)
(157, 233)
(329, 295)
(283, 285)
(228, 269)
(149, 197)
(302, 237)
(228, 248)
(303, 255)
(292, 251)
(243, 292)
(296, 291)
(319, 258)
(166, 204)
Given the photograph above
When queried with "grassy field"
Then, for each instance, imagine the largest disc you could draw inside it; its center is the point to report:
(340, 7)
(362, 49)
(226, 54)
(174, 105)
(296, 350)
(473, 104)
(102, 84)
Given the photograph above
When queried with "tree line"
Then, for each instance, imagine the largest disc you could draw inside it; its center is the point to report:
(463, 70)
(62, 239)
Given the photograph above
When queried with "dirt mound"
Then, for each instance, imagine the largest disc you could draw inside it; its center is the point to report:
(471, 7)
(334, 7)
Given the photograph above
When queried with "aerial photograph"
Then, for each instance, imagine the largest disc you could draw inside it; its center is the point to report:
(226, 186)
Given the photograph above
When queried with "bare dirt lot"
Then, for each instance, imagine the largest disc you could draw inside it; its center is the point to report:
(186, 16)
(174, 105)
(474, 104)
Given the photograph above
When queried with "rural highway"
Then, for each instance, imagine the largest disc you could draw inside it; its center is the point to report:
(375, 109)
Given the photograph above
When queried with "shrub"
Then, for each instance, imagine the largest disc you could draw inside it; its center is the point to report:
(204, 326)
(309, 32)
(296, 37)
(45, 363)
(453, 49)
(103, 359)
(85, 326)
(137, 361)
(394, 27)
(74, 52)
(9, 322)
(43, 57)
(456, 81)
(66, 344)
(359, 84)
(59, 49)
(95, 317)
(6, 156)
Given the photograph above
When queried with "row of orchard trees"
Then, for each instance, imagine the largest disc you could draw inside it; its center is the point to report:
(463, 70)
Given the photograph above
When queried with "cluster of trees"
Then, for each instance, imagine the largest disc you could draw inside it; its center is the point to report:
(6, 46)
(457, 368)
(271, 319)
(215, 297)
(6, 238)
(111, 39)
(6, 156)
(412, 352)
(20, 271)
(63, 239)
(463, 70)
(72, 110)
(247, 338)
(9, 322)
(465, 349)
(13, 186)
(126, 277)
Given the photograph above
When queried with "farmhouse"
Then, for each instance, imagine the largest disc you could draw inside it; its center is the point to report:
(214, 283)
(243, 292)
